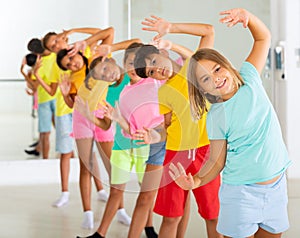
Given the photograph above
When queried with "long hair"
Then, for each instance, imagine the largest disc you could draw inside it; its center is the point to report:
(197, 96)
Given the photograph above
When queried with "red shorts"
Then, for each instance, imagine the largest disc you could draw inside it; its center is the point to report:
(170, 200)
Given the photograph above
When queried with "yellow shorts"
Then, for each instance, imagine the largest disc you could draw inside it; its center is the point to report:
(122, 162)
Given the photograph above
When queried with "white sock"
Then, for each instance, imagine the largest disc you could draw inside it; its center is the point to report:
(88, 220)
(102, 195)
(123, 217)
(63, 200)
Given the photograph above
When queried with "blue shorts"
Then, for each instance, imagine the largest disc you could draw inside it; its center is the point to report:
(157, 153)
(45, 112)
(64, 141)
(246, 208)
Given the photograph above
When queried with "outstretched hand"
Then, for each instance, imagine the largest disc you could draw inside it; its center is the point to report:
(178, 174)
(65, 84)
(101, 50)
(234, 16)
(161, 26)
(78, 46)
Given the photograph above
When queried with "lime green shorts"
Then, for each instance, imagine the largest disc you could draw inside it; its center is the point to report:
(122, 162)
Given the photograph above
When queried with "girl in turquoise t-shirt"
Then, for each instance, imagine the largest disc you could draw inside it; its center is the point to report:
(246, 143)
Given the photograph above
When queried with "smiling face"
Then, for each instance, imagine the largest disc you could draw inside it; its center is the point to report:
(108, 71)
(159, 67)
(73, 63)
(215, 79)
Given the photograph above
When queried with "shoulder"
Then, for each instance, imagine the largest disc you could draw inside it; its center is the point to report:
(249, 72)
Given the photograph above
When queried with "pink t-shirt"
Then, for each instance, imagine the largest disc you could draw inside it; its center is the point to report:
(139, 104)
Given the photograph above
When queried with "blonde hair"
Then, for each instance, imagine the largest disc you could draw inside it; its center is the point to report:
(197, 96)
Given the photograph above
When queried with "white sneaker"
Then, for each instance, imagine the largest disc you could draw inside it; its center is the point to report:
(63, 200)
(102, 195)
(88, 220)
(123, 217)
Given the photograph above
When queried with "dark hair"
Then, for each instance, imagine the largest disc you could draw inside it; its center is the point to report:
(140, 59)
(46, 38)
(62, 53)
(30, 59)
(35, 45)
(132, 48)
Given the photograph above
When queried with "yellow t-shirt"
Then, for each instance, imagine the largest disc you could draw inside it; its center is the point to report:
(94, 96)
(184, 133)
(45, 72)
(61, 107)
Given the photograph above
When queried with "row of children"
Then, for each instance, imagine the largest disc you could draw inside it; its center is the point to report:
(180, 123)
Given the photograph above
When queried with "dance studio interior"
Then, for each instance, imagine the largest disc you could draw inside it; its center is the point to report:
(30, 184)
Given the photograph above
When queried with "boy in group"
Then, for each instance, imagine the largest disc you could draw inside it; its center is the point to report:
(46, 102)
(186, 139)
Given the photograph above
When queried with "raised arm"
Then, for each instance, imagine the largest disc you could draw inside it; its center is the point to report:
(106, 36)
(163, 27)
(260, 33)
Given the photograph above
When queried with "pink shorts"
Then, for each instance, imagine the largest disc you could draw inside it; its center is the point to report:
(170, 201)
(83, 128)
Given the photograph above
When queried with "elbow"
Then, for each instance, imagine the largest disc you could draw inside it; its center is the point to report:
(210, 30)
(111, 31)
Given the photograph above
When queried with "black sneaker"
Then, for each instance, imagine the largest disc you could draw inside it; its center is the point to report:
(32, 152)
(34, 144)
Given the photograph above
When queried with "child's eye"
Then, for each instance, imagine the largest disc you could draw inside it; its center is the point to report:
(153, 61)
(218, 69)
(151, 72)
(205, 79)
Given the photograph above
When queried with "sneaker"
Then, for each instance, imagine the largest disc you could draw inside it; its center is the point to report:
(32, 152)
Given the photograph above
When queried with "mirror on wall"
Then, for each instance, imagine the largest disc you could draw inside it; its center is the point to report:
(33, 18)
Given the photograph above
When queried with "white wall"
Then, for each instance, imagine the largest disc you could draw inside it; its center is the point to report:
(234, 43)
(22, 20)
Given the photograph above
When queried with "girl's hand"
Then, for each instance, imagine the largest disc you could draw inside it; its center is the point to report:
(178, 174)
(65, 84)
(101, 50)
(147, 135)
(78, 46)
(107, 109)
(235, 16)
(161, 26)
(162, 44)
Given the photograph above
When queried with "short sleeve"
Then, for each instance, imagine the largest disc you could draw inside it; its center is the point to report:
(216, 124)
(250, 74)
